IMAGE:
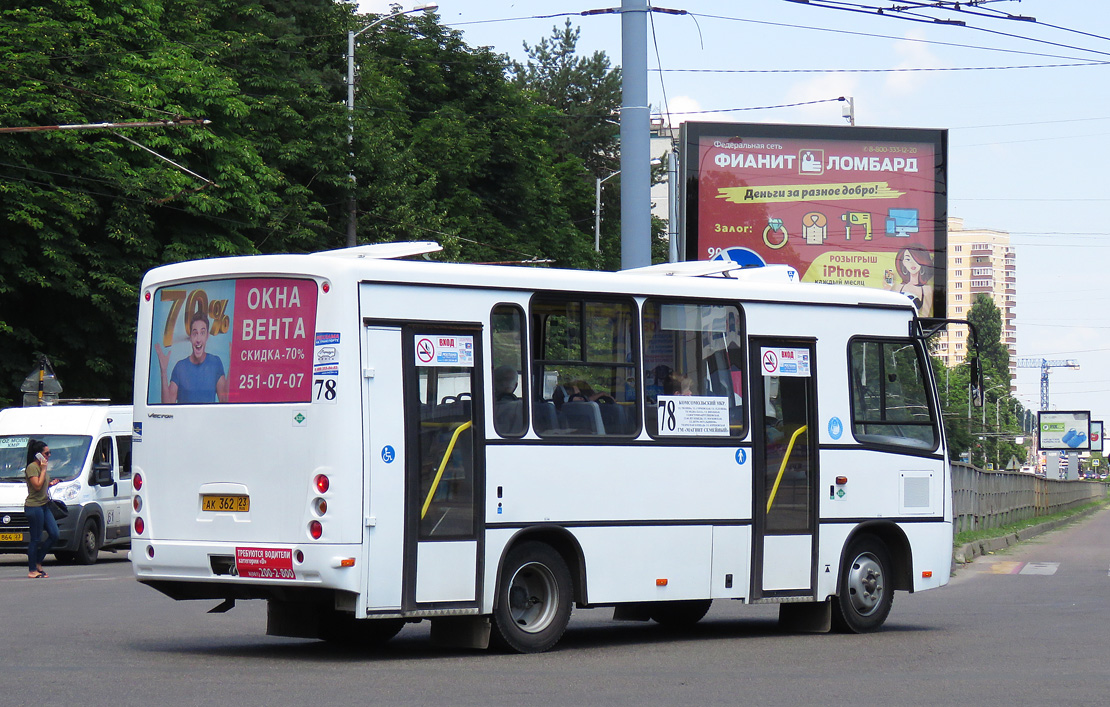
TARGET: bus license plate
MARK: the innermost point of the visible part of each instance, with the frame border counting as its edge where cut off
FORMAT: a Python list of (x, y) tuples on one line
[(11, 537), (236, 504)]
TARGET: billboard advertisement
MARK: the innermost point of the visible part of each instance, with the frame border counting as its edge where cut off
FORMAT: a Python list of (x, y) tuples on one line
[(249, 340), (840, 204), (1064, 431), (1096, 436)]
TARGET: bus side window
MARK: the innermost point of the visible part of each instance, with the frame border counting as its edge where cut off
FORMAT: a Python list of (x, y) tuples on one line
[(507, 361), (693, 349), (584, 367), (890, 398)]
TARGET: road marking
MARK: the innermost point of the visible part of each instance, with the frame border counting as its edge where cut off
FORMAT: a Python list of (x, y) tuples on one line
[(1040, 568), (1013, 567)]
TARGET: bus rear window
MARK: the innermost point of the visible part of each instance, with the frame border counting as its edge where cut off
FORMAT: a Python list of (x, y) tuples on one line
[(250, 340)]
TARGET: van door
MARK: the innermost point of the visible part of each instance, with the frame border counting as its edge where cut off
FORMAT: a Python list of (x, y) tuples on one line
[(444, 474), (784, 435), (113, 507), (122, 522)]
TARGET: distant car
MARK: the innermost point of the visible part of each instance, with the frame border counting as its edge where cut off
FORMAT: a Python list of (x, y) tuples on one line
[(1028, 469)]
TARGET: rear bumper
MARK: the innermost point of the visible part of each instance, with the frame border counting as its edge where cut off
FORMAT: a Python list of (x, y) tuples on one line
[(208, 570)]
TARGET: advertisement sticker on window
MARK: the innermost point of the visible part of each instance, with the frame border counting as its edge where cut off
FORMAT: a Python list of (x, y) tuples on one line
[(233, 341)]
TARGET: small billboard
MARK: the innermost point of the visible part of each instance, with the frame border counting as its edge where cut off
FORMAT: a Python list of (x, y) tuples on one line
[(1096, 436), (1065, 431)]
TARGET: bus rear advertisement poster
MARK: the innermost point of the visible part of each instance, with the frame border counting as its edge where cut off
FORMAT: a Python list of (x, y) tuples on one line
[(248, 340)]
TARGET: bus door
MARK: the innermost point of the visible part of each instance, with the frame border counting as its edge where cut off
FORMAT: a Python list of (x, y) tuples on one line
[(384, 492), (784, 436), (444, 469)]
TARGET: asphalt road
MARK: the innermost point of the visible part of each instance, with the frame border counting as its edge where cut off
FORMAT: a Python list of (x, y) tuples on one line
[(1026, 627)]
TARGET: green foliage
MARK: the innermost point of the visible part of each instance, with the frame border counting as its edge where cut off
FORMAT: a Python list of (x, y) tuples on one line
[(85, 213)]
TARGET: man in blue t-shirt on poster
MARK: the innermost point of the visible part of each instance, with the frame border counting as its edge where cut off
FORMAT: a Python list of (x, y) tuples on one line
[(199, 378)]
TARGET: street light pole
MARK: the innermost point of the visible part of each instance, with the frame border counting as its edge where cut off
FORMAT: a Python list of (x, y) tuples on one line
[(597, 209), (352, 206)]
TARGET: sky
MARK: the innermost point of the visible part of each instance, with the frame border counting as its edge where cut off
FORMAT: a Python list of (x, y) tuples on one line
[(1024, 103)]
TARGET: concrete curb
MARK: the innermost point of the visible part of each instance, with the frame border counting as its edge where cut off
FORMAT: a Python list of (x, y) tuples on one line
[(966, 553)]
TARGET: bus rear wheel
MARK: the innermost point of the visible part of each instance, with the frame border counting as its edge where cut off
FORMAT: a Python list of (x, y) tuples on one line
[(866, 591), (533, 599)]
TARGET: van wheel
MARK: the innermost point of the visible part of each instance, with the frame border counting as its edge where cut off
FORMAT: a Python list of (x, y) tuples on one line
[(533, 602), (88, 548), (866, 589)]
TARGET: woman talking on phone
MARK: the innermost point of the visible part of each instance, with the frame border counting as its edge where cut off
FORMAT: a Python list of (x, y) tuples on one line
[(38, 515)]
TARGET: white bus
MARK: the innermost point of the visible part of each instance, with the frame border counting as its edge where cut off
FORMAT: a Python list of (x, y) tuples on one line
[(365, 441)]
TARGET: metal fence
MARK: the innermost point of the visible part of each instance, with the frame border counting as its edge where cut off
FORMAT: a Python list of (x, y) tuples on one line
[(989, 499)]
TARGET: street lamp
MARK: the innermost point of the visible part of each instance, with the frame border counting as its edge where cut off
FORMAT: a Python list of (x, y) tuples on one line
[(352, 209), (597, 203), (985, 401)]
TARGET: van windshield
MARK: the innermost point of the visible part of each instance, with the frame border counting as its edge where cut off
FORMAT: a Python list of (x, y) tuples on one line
[(67, 456)]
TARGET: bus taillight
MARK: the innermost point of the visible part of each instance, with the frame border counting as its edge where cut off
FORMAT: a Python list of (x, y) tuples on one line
[(137, 481), (140, 526), (322, 483), (321, 507), (137, 503), (315, 529)]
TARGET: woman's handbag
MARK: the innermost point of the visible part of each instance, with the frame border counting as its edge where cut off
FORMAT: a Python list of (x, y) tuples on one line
[(58, 509)]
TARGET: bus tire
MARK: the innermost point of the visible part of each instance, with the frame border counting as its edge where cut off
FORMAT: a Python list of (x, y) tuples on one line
[(533, 602), (866, 587), (88, 543), (679, 614)]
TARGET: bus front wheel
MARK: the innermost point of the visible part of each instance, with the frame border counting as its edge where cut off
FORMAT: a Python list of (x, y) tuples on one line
[(866, 591), (533, 599)]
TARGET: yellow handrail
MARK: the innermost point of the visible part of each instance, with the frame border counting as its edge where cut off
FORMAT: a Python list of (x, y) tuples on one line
[(443, 465), (782, 467)]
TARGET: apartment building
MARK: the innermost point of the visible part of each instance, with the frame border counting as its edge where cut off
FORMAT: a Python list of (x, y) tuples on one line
[(980, 261)]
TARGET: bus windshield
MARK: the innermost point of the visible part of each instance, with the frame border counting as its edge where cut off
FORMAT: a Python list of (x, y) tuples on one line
[(67, 456)]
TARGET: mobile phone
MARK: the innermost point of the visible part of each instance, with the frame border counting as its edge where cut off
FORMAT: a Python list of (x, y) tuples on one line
[(41, 458)]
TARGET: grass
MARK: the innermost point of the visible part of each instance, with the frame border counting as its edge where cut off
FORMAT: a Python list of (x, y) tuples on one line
[(970, 536)]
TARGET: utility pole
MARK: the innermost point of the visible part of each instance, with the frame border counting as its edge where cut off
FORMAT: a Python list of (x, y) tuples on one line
[(635, 138)]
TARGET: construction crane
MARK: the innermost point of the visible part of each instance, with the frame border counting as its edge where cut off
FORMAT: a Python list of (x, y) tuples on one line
[(1046, 365)]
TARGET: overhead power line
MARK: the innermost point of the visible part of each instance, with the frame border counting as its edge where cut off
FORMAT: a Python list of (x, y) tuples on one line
[(109, 126)]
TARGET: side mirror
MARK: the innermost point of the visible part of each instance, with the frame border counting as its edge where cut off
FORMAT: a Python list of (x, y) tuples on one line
[(102, 474), (976, 383)]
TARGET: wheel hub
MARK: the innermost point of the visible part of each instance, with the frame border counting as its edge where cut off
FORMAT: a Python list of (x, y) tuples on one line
[(865, 584)]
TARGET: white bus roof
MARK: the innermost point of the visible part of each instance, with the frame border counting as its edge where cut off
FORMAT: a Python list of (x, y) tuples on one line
[(695, 279)]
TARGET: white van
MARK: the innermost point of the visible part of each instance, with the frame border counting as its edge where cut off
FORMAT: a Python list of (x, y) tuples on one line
[(91, 459)]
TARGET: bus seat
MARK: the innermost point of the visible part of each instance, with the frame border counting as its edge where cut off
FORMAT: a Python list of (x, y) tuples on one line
[(508, 417), (544, 417), (616, 418), (582, 417)]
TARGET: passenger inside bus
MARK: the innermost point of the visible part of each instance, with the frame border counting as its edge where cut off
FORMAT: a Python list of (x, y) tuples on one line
[(508, 409)]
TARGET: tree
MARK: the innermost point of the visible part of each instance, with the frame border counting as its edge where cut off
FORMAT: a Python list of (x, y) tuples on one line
[(585, 93), (84, 214), (987, 318)]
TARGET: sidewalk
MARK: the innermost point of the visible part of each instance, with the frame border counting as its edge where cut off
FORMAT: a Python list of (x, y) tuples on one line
[(966, 553)]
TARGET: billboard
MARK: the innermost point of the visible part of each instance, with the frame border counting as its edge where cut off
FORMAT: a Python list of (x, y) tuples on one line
[(840, 204), (233, 341), (1096, 436), (1064, 431)]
